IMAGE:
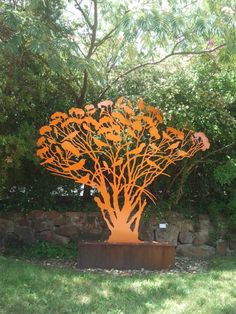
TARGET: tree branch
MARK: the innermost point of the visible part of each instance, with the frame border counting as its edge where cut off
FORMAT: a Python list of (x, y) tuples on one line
[(93, 26), (177, 43), (172, 53), (78, 6), (195, 163), (217, 151), (107, 36)]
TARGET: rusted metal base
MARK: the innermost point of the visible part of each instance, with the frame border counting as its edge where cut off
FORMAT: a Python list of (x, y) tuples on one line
[(147, 255)]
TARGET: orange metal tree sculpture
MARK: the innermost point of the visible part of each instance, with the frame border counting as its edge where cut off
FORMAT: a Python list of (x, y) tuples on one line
[(119, 150)]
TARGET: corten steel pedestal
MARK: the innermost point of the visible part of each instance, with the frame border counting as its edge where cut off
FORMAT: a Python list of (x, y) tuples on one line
[(147, 255)]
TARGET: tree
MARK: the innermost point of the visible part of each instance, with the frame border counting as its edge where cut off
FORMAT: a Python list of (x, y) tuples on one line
[(44, 55), (135, 36), (103, 42), (120, 153), (198, 94)]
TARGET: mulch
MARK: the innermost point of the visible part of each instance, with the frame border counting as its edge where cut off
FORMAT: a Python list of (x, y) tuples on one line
[(183, 265)]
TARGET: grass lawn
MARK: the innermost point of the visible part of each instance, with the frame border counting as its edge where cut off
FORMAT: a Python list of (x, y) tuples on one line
[(27, 288)]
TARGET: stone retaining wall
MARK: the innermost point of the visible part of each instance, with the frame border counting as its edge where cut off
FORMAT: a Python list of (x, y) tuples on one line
[(192, 238)]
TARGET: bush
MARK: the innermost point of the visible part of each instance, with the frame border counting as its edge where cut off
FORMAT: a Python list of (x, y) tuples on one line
[(45, 250)]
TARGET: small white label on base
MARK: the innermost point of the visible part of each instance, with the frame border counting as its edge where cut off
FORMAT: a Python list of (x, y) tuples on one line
[(162, 226)]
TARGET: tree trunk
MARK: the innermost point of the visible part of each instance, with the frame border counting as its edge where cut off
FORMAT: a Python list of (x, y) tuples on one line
[(123, 233), (123, 227)]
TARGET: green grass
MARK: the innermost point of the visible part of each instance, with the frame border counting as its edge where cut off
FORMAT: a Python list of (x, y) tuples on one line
[(27, 288)]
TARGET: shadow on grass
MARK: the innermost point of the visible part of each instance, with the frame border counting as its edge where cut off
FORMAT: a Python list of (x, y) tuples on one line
[(225, 309), (223, 263), (26, 288)]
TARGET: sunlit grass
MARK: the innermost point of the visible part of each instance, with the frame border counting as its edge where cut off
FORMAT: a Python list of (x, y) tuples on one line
[(26, 288)]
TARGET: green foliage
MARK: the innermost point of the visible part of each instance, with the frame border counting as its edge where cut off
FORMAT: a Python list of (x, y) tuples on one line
[(226, 173), (215, 209), (198, 95), (45, 250), (44, 55), (29, 91), (232, 212)]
